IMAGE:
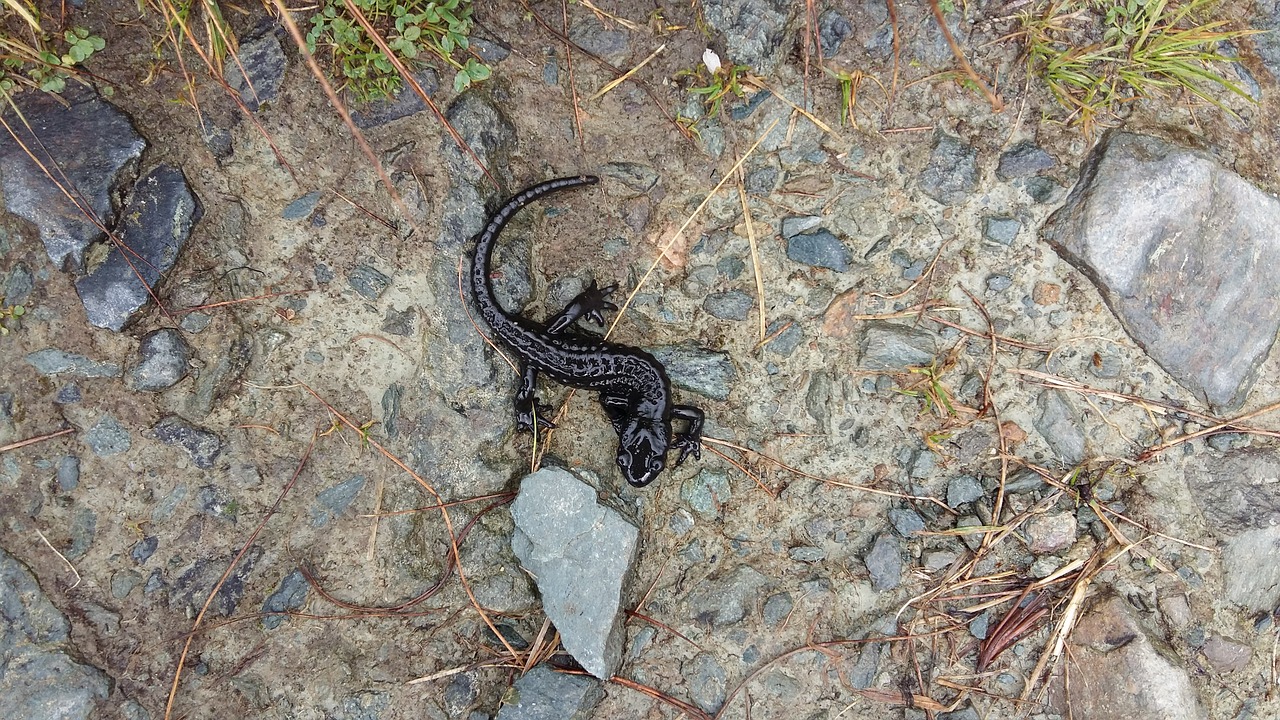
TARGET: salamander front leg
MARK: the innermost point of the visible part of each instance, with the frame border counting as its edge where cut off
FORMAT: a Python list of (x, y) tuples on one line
[(688, 442), (587, 304), (528, 411)]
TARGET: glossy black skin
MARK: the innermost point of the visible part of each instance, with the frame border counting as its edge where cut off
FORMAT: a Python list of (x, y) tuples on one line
[(633, 385)]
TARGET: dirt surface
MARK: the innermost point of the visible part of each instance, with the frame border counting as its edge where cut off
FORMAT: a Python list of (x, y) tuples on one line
[(285, 380)]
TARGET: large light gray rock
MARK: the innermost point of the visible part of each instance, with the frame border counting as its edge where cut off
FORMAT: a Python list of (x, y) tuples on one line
[(38, 678), (1183, 251), (1238, 491), (581, 554), (1126, 672), (1252, 573)]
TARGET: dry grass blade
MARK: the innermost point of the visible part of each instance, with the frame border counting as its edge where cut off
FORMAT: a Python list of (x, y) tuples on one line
[(896, 697), (755, 252), (996, 104), (1019, 621), (625, 76), (680, 705)]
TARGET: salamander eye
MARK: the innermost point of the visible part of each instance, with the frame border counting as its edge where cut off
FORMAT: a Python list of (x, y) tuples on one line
[(655, 465)]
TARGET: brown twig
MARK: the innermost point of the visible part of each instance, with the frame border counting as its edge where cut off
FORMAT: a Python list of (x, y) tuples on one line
[(996, 104), (36, 439)]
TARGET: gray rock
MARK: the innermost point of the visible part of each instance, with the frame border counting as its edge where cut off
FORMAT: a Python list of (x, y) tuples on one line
[(221, 378), (368, 281), (1042, 189), (123, 583), (755, 31), (706, 492), (820, 249), (302, 207), (706, 372), (289, 595), (333, 501), (544, 694), (263, 63), (460, 694), (612, 43), (144, 549), (796, 224), (68, 473), (777, 608), (639, 178), (1225, 655), (1022, 160), (1232, 493), (191, 589), (96, 149), (890, 346), (1267, 43), (107, 437), (41, 679), (762, 181), (785, 334), (1181, 250), (19, 285), (1051, 532), (405, 103), (707, 682), (833, 29), (730, 305), (581, 554), (807, 554), (952, 172), (156, 221), (84, 525), (884, 562), (399, 323), (1059, 424), (163, 358), (1003, 230), (964, 489), (1252, 573), (201, 444), (725, 598), (1128, 671), (51, 361), (906, 521), (998, 283)]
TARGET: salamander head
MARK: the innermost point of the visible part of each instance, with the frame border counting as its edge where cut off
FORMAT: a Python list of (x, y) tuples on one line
[(642, 449)]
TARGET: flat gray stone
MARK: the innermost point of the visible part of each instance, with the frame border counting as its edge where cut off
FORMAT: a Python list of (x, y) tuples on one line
[(1237, 492), (697, 369), (706, 492), (289, 595), (200, 443), (884, 562), (107, 437), (368, 281), (707, 682), (1128, 671), (906, 521), (163, 357), (890, 346), (544, 694), (1183, 251), (333, 501), (94, 145), (1252, 573), (581, 555), (1022, 160), (725, 598), (40, 679), (52, 361), (730, 305), (407, 102), (1051, 532), (755, 31), (258, 70), (156, 221), (1059, 424), (952, 172), (820, 248), (964, 489), (1003, 230)]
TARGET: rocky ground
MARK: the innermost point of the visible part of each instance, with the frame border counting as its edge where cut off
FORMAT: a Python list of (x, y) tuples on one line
[(987, 400)]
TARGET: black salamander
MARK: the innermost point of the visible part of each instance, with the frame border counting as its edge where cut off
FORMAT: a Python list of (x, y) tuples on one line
[(633, 385)]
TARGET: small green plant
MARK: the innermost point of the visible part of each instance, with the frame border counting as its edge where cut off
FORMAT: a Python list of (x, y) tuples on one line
[(850, 84), (1096, 56), (413, 29), (10, 317), (714, 81), (931, 391), (31, 57)]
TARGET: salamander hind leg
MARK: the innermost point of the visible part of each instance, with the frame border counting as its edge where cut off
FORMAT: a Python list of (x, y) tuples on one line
[(688, 442), (587, 304), (528, 411)]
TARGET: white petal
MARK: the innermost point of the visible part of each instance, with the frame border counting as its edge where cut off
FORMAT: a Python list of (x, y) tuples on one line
[(711, 60)]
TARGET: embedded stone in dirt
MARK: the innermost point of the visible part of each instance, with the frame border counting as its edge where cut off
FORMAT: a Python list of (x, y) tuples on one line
[(544, 694), (164, 357), (890, 346), (581, 554), (258, 70), (202, 445), (755, 31), (952, 172), (41, 679), (693, 368), (1182, 250), (156, 221), (1126, 673), (93, 146)]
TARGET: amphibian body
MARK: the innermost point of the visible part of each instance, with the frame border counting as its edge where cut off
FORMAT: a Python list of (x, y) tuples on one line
[(633, 385)]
